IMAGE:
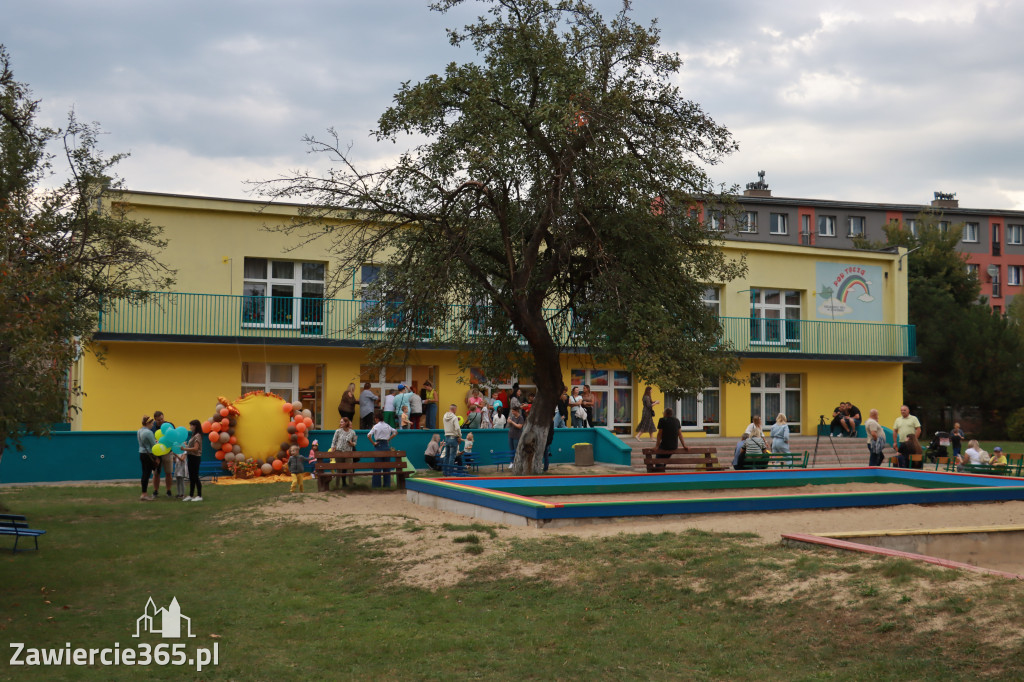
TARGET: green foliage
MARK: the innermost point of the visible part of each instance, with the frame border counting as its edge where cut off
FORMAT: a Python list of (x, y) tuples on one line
[(60, 257), (1015, 424), (553, 203), (969, 355)]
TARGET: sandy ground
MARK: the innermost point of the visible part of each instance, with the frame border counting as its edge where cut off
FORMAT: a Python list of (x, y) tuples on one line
[(415, 537)]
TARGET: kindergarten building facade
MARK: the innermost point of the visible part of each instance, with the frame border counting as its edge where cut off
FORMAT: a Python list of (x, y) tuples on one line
[(812, 326)]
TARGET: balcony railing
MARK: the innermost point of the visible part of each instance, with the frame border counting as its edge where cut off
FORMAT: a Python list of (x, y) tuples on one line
[(183, 316)]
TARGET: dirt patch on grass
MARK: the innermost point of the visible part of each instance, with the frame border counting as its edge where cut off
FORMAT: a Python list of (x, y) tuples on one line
[(425, 553)]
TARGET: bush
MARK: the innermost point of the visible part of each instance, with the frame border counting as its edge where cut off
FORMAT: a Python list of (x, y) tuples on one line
[(1015, 425)]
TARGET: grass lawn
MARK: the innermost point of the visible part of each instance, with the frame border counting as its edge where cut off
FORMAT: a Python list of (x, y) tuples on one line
[(290, 601), (1010, 447)]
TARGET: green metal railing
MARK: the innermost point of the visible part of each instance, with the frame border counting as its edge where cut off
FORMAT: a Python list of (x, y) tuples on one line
[(337, 320)]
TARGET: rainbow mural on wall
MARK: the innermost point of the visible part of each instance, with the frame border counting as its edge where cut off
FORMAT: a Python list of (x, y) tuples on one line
[(847, 292)]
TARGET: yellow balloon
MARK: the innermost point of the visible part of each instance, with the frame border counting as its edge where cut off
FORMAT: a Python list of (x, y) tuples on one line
[(160, 450)]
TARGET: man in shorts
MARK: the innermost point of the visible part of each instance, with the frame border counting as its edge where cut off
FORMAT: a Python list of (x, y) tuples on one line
[(163, 463)]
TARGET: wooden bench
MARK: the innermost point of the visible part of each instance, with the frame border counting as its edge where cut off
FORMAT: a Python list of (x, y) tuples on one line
[(688, 458), (17, 525), (344, 464)]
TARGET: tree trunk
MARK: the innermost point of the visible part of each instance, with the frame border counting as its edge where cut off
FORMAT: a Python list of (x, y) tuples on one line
[(533, 442)]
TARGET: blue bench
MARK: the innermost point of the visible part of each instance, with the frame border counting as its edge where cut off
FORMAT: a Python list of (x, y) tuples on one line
[(214, 469), (17, 525), (502, 459)]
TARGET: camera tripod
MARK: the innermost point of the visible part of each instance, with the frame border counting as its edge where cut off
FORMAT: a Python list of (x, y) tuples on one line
[(814, 458)]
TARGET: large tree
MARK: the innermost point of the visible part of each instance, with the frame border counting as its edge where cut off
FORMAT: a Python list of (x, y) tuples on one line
[(969, 354), (556, 205), (61, 257)]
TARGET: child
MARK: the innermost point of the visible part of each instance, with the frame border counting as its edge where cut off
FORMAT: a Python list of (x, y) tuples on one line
[(498, 422), (180, 472), (314, 450), (466, 457), (295, 468), (405, 422), (485, 418)]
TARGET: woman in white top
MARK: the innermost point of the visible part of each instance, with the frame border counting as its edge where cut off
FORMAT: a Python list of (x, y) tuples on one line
[(974, 454), (576, 401), (754, 427)]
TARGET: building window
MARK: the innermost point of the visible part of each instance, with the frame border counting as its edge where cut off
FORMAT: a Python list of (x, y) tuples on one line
[(291, 382), (997, 249), (1015, 234), (775, 317), (856, 226), (772, 393), (805, 230), (972, 269), (912, 226), (285, 294), (944, 226), (712, 299), (714, 221), (700, 411), (748, 221), (826, 226), (1013, 275), (779, 223), (970, 232), (613, 397)]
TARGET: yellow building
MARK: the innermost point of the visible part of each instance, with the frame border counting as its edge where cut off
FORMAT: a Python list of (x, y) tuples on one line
[(813, 326)]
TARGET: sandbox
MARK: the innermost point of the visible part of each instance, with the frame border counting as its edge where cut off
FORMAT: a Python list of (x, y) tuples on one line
[(535, 500)]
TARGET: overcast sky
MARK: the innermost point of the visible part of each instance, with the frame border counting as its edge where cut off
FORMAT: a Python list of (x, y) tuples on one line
[(857, 100)]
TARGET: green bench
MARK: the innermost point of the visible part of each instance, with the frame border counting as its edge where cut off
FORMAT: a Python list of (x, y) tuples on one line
[(17, 525), (782, 461)]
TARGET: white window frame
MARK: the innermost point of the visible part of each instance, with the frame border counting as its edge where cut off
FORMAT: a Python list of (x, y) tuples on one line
[(609, 392), (1015, 234), (770, 322), (850, 220), (712, 299), (972, 269), (1013, 275), (779, 220), (714, 220), (911, 224), (944, 226), (970, 233), (826, 226), (266, 305), (277, 387), (708, 426), (748, 222), (758, 381)]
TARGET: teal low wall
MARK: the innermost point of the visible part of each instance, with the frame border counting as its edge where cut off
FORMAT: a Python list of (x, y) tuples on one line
[(114, 455)]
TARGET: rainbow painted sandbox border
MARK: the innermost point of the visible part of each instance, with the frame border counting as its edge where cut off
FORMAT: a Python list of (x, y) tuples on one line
[(510, 498)]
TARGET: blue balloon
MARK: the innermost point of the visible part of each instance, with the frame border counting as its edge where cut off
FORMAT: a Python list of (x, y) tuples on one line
[(165, 427), (181, 433)]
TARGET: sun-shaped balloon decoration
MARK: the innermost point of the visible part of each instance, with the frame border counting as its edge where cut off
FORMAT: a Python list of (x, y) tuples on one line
[(254, 433)]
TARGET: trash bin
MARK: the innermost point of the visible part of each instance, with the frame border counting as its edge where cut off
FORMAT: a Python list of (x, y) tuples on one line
[(584, 453)]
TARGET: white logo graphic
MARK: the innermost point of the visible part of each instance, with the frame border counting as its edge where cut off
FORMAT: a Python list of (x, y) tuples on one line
[(163, 622)]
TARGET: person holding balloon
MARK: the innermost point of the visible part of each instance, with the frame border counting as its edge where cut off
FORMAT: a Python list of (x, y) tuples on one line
[(146, 458), (168, 440), (163, 455), (194, 449)]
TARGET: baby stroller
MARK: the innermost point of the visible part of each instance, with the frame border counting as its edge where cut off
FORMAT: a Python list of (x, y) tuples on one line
[(938, 447)]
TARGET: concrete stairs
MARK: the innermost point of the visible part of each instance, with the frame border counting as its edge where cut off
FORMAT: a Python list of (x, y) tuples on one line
[(848, 451)]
